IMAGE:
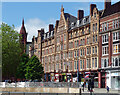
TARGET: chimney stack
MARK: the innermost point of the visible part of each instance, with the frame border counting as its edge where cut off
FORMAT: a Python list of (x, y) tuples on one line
[(42, 30), (51, 27), (39, 31), (92, 6), (57, 22), (107, 4), (80, 14)]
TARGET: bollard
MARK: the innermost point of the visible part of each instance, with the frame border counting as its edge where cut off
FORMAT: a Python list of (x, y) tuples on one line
[(80, 91), (68, 90), (8, 93), (90, 92)]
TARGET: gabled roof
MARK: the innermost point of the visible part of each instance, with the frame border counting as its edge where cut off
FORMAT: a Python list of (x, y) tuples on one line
[(70, 17), (112, 9)]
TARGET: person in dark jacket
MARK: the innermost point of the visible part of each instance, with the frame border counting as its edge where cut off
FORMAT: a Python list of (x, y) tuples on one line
[(92, 84), (107, 89), (89, 85), (83, 86)]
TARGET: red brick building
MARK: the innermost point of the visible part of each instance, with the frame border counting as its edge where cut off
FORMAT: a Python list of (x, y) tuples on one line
[(24, 44), (82, 47), (109, 46)]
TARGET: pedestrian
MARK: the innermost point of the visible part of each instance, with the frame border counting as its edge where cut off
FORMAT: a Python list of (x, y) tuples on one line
[(89, 85), (92, 84), (107, 89), (83, 86)]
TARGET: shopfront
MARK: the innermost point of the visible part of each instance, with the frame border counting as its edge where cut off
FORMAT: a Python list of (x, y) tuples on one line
[(56, 77), (52, 77), (113, 79), (74, 75)]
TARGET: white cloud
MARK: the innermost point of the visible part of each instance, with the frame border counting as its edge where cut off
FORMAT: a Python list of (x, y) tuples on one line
[(33, 25)]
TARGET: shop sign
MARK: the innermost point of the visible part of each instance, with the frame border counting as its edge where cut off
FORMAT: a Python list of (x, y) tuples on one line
[(56, 74), (68, 73), (87, 72), (52, 74), (63, 73), (114, 74)]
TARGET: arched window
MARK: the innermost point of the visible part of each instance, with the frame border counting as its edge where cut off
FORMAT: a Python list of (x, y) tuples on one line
[(105, 63), (116, 62)]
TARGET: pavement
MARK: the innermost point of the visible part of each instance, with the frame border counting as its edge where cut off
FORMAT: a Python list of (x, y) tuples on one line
[(101, 91), (96, 91)]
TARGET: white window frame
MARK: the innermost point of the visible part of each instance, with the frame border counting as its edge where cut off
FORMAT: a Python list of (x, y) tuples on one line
[(103, 52), (115, 49), (116, 35), (113, 61), (102, 62), (103, 38)]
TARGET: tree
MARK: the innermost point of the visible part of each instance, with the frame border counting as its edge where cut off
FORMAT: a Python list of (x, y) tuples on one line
[(34, 69), (10, 50), (22, 66)]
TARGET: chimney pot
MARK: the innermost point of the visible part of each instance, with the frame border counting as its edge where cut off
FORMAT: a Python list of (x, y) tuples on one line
[(80, 14), (107, 4), (57, 22), (92, 6), (51, 27), (39, 31)]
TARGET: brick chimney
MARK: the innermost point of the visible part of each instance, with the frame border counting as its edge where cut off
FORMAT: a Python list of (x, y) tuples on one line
[(80, 14), (39, 33), (57, 22), (42, 30), (51, 27), (107, 4), (92, 6)]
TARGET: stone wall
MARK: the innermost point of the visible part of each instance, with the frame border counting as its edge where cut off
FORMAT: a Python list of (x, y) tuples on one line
[(41, 90)]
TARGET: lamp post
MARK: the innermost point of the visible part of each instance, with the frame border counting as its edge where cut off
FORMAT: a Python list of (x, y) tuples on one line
[(77, 70)]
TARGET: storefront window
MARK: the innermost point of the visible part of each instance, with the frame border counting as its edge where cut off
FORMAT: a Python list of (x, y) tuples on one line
[(80, 64), (119, 61), (105, 63), (93, 62), (116, 62)]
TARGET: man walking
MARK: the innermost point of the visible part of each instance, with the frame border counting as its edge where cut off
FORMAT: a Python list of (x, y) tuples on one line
[(89, 85), (107, 89), (83, 86)]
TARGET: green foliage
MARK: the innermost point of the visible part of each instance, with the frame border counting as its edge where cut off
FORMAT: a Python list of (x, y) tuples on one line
[(22, 66), (34, 69), (10, 50)]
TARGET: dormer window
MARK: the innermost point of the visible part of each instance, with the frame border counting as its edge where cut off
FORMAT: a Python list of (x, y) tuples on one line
[(89, 18), (51, 33), (72, 24), (48, 35), (84, 20), (78, 22), (44, 35)]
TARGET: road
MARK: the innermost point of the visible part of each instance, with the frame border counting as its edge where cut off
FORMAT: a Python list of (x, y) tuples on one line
[(33, 93)]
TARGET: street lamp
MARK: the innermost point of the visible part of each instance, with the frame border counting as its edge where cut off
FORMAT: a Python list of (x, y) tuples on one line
[(77, 70)]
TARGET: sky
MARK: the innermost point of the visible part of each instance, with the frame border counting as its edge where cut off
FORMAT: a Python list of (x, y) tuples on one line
[(39, 15)]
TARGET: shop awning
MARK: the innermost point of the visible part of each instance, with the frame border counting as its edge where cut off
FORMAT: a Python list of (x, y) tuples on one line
[(87, 76)]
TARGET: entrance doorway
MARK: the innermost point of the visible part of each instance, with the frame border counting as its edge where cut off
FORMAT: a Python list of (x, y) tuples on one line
[(103, 83)]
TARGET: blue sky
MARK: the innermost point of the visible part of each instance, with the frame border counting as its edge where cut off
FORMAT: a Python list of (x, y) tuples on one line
[(39, 14)]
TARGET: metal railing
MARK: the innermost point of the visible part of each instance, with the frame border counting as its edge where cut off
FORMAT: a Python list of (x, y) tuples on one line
[(42, 84)]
